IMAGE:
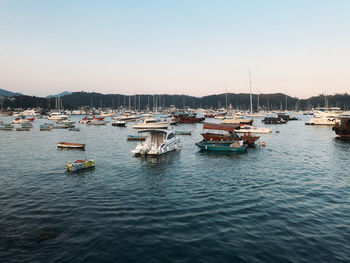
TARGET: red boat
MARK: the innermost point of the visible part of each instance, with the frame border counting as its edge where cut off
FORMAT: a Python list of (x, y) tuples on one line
[(342, 128), (187, 118), (231, 136)]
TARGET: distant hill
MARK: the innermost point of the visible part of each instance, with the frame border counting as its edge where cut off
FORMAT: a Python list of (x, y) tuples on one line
[(241, 101), (6, 93), (59, 95)]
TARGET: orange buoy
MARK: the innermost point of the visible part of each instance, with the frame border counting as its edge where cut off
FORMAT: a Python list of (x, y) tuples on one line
[(263, 144)]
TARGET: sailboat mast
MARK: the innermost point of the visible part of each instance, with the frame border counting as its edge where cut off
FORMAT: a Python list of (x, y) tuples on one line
[(226, 94), (251, 99)]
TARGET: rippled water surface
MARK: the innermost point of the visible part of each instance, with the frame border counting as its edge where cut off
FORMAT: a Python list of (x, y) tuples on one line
[(286, 202)]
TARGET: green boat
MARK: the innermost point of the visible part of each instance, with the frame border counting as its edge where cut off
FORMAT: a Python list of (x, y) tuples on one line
[(212, 147)]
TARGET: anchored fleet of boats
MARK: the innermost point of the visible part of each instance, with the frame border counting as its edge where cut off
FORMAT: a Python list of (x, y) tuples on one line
[(226, 134)]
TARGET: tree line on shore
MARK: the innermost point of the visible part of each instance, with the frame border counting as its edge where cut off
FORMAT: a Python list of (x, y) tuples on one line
[(241, 101)]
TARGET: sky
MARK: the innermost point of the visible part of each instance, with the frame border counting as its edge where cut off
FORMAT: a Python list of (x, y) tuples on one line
[(197, 48)]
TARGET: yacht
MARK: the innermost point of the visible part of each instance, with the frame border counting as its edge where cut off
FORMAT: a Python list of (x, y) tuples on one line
[(157, 143), (55, 116), (329, 121), (325, 116), (150, 123)]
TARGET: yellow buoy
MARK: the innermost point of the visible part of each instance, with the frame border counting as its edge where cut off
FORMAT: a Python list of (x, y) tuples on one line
[(263, 144)]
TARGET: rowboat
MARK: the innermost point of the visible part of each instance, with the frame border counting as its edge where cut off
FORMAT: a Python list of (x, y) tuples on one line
[(80, 164), (59, 126), (236, 147), (136, 137), (74, 129), (8, 128), (22, 129), (71, 145), (183, 132)]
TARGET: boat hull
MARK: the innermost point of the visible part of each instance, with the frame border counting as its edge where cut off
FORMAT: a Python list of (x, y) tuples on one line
[(71, 145), (220, 148), (80, 164)]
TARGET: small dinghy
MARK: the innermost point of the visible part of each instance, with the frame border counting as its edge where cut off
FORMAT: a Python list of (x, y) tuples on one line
[(22, 129), (71, 145), (74, 129), (80, 164), (136, 137), (119, 123), (183, 132)]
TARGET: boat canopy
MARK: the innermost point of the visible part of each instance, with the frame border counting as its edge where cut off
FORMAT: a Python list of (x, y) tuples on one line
[(215, 126)]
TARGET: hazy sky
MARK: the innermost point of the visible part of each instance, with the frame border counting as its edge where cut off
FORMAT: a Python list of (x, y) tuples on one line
[(175, 47)]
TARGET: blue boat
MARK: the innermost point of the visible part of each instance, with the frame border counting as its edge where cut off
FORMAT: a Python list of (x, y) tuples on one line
[(236, 147)]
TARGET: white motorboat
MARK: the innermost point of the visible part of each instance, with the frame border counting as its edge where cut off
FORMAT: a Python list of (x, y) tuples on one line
[(55, 116), (127, 118), (150, 123), (157, 143), (21, 120), (96, 122), (329, 121), (253, 129)]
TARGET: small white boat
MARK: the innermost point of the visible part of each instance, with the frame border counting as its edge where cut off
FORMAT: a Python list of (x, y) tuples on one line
[(96, 122), (20, 121), (151, 123), (55, 116), (157, 143), (127, 118), (253, 129), (328, 121)]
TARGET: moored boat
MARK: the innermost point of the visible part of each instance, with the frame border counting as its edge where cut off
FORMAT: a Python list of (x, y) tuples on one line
[(151, 123), (119, 123), (80, 164), (342, 128), (71, 145), (22, 129), (6, 128), (253, 129), (157, 143), (183, 132), (136, 137), (228, 133), (187, 118), (237, 147)]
